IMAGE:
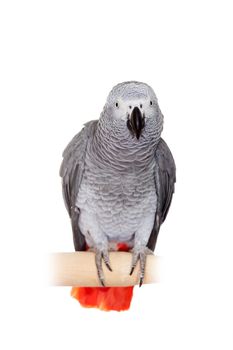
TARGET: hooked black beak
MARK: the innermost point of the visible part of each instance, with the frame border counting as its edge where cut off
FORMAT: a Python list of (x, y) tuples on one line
[(136, 122)]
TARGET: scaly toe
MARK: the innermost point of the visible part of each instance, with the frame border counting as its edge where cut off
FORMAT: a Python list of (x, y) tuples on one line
[(141, 255), (98, 262), (99, 256), (106, 260), (135, 258)]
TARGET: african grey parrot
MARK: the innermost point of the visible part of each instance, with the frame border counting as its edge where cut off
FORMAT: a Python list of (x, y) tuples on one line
[(118, 177)]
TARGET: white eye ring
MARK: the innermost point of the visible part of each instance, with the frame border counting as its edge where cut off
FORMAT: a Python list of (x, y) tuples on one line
[(117, 105)]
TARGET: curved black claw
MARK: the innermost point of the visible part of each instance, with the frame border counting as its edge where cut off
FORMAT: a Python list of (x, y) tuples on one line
[(140, 254), (106, 260), (99, 255)]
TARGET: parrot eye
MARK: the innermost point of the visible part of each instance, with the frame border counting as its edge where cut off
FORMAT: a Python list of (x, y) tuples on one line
[(117, 104), (151, 103)]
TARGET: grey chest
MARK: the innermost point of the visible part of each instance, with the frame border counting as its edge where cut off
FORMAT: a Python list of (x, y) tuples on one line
[(119, 201)]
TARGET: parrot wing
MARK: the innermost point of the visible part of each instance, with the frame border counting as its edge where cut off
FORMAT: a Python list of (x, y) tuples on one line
[(165, 178), (71, 171)]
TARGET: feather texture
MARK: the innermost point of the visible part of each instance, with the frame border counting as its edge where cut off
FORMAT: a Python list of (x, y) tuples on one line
[(71, 171), (165, 178)]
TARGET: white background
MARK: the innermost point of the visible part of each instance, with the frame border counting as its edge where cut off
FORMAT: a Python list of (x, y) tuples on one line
[(59, 59)]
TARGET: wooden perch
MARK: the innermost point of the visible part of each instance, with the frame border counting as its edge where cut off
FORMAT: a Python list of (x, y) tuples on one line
[(78, 269)]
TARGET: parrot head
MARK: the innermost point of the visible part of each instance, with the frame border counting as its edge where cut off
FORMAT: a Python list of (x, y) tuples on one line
[(133, 106)]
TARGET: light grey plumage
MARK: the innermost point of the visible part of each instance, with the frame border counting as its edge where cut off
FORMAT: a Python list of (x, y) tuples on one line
[(118, 176)]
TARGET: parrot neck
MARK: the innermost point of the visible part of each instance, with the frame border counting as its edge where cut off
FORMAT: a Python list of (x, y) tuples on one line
[(114, 148)]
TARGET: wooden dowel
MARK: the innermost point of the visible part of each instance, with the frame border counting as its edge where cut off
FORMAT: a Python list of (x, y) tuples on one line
[(78, 269)]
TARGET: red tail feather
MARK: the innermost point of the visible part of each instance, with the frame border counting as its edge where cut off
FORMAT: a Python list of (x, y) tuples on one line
[(105, 298)]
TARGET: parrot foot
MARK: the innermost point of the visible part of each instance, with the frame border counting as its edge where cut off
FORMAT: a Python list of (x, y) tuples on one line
[(99, 256), (140, 254)]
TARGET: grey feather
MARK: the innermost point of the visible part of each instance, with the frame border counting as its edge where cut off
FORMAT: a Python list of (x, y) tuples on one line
[(71, 171), (165, 178)]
